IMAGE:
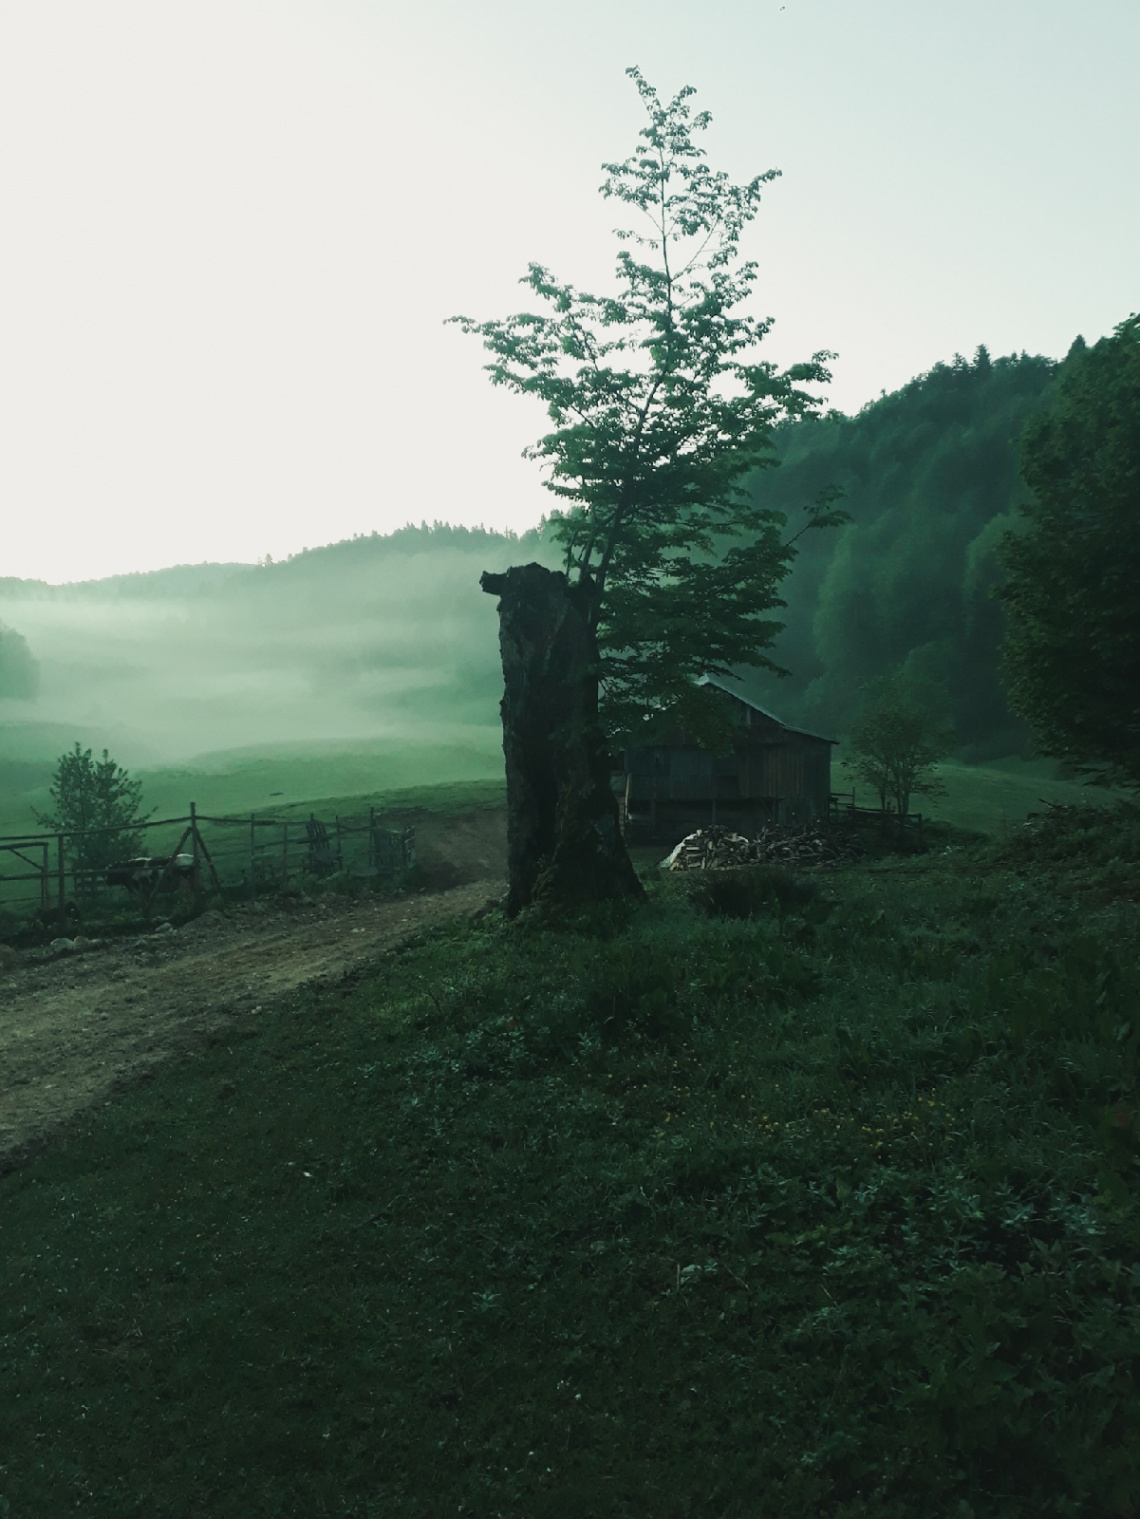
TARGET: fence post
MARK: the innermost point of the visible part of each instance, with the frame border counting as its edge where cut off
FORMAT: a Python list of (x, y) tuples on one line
[(194, 850), (62, 881), (45, 880)]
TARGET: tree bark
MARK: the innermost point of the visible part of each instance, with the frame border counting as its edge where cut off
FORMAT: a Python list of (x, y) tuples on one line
[(564, 846)]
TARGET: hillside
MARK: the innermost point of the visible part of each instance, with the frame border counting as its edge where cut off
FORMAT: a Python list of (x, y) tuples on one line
[(930, 478), (375, 639), (388, 640)]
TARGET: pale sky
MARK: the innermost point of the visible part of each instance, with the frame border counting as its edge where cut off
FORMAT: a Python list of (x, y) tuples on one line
[(231, 232)]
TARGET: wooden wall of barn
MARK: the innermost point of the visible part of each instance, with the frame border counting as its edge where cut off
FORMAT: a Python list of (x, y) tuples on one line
[(773, 776)]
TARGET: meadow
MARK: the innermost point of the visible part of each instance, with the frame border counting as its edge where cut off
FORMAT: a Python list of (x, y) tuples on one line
[(800, 1196), (296, 778)]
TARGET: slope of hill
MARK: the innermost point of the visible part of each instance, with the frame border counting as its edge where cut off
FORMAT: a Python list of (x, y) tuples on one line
[(385, 639), (930, 475), (379, 639)]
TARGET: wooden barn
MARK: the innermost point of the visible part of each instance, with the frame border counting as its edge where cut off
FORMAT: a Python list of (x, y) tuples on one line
[(775, 774)]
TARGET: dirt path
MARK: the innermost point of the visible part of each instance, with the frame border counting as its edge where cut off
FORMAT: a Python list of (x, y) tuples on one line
[(77, 1028)]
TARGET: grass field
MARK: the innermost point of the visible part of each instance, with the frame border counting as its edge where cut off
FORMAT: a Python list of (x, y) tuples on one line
[(296, 779), (283, 780), (828, 1207), (992, 798)]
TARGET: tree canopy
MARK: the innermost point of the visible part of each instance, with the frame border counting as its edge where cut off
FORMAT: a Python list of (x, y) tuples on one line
[(19, 672), (660, 405), (97, 804), (897, 739), (1072, 651), (930, 478)]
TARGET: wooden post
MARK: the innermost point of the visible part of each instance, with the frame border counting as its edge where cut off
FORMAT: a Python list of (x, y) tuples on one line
[(45, 880), (62, 881), (195, 881)]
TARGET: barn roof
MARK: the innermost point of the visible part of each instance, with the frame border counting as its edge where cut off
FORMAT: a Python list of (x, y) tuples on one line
[(712, 680)]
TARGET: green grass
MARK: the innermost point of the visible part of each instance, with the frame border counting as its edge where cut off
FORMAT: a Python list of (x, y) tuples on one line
[(829, 1209), (279, 779), (992, 798)]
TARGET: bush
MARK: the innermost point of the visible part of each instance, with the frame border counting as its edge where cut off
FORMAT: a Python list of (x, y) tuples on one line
[(751, 892)]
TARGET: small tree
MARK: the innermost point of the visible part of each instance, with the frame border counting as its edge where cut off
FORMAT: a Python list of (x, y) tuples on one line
[(895, 741), (97, 806), (1072, 648), (660, 406), (19, 672)]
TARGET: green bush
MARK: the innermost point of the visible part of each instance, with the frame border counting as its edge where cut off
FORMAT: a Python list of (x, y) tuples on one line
[(751, 892)]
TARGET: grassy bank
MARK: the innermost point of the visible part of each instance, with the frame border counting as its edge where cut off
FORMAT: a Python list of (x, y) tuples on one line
[(829, 1208)]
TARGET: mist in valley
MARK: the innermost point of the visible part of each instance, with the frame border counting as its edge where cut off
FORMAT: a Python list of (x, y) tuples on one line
[(374, 661)]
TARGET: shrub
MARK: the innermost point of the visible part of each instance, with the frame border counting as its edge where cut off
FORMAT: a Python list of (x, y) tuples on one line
[(751, 892)]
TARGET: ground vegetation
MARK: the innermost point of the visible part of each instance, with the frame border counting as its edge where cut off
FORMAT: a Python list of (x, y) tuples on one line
[(829, 1206)]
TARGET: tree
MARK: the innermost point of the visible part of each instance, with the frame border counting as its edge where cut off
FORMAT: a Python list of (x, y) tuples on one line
[(659, 407), (895, 741), (97, 805), (19, 672), (1072, 649)]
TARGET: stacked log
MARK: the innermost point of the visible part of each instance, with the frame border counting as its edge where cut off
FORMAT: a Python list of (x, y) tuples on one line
[(717, 848)]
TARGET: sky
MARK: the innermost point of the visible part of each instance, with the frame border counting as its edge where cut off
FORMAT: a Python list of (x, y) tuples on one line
[(233, 231)]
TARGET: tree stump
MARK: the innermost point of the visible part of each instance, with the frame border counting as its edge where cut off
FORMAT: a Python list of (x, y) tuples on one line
[(564, 846)]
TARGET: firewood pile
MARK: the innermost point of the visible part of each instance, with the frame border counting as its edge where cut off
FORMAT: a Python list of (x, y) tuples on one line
[(717, 848)]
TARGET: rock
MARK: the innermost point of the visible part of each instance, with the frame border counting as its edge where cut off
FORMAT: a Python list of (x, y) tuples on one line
[(62, 946), (208, 923)]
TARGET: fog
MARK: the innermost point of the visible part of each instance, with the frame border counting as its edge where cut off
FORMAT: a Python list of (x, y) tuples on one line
[(371, 640)]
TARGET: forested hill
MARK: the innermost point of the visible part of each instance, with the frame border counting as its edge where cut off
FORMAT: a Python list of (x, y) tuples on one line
[(394, 629), (376, 634), (931, 479), (193, 580)]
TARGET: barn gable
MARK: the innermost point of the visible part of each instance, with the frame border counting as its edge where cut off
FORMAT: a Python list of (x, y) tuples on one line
[(775, 774)]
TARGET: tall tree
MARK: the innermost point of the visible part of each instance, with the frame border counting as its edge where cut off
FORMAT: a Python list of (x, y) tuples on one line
[(1072, 651), (660, 406)]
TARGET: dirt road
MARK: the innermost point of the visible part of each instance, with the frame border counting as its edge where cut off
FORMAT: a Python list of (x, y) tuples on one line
[(77, 1028)]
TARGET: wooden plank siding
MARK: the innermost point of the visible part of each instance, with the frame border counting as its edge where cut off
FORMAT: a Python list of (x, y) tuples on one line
[(775, 774)]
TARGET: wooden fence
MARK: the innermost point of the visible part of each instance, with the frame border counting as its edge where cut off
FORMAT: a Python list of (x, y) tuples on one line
[(842, 804), (194, 854)]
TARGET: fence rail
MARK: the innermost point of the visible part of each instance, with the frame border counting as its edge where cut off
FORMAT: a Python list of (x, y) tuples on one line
[(839, 807), (43, 876)]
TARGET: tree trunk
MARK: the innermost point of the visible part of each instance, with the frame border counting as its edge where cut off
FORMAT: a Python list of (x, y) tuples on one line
[(564, 845)]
